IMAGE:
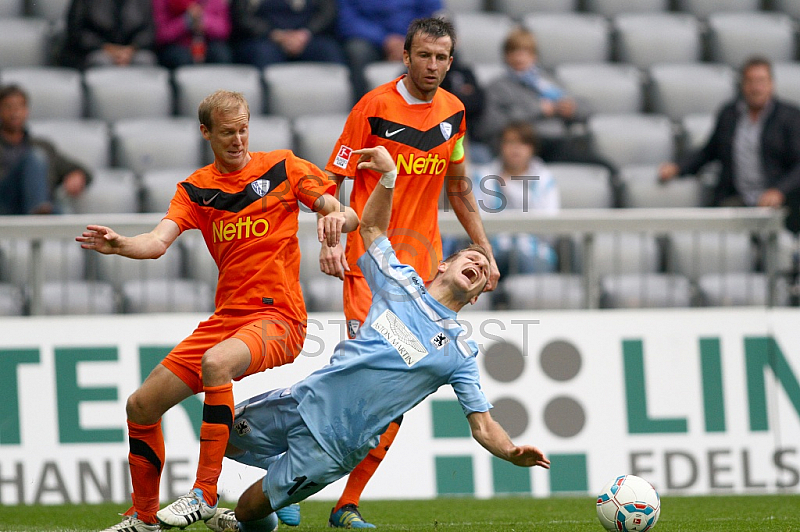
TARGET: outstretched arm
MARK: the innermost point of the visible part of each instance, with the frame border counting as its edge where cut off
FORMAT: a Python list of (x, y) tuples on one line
[(378, 209), (494, 439), (144, 246)]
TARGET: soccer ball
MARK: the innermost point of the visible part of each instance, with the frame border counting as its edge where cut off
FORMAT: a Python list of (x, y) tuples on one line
[(628, 504)]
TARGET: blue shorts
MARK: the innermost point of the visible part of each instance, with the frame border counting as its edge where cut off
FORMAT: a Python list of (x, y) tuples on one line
[(269, 426)]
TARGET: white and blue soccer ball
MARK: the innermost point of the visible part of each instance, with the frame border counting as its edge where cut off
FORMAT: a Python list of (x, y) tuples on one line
[(628, 504)]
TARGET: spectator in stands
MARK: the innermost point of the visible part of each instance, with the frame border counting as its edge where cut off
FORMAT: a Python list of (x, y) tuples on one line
[(375, 30), (526, 93), (517, 181), (31, 169), (273, 31), (756, 139), (192, 31), (109, 32)]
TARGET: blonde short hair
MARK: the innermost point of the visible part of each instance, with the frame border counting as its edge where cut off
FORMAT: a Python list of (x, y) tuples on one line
[(222, 101), (520, 39)]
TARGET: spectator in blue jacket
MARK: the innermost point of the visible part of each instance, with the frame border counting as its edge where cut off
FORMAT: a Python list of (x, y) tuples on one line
[(266, 32), (375, 30)]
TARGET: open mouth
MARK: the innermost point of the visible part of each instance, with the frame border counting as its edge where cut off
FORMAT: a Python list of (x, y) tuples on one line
[(471, 274)]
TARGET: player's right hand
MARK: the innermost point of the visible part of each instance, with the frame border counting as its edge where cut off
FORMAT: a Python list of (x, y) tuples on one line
[(332, 261), (99, 238)]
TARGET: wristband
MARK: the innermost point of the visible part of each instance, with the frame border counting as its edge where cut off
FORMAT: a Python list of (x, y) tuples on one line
[(388, 179)]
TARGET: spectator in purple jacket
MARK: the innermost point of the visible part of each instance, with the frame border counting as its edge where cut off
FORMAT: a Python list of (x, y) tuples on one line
[(375, 30), (192, 31)]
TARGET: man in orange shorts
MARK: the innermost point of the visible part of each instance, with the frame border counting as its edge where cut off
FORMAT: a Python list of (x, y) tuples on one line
[(423, 129), (246, 205)]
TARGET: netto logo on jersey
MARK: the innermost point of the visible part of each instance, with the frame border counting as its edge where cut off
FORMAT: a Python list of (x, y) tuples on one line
[(430, 165), (241, 228)]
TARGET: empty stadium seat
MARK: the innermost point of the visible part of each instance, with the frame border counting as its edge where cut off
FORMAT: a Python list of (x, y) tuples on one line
[(740, 288), (323, 293), (677, 90), (626, 139), (696, 129), (604, 87), (704, 8), (610, 8), (624, 253), (23, 42), (119, 270), (381, 72), (200, 266), (159, 186), (570, 37), (78, 297), (551, 291), (519, 8), (644, 39), (113, 190), (162, 295), (486, 73), (734, 37), (700, 253), (481, 36), (787, 81), (642, 189), (149, 143), (461, 6), (64, 260), (299, 89), (269, 133), (583, 186), (115, 93), (87, 141), (652, 290), (317, 136), (12, 301), (53, 92), (195, 82)]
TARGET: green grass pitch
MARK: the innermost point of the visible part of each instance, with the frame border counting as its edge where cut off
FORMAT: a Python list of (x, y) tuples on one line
[(679, 514)]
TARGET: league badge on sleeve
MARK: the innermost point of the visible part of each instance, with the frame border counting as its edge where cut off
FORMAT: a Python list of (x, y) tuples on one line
[(343, 157)]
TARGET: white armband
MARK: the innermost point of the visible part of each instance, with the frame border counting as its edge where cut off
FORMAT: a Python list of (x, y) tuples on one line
[(388, 179)]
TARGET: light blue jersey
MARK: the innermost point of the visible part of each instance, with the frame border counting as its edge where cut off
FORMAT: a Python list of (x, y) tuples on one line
[(407, 348)]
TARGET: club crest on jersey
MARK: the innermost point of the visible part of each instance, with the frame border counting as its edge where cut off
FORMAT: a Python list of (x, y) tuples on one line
[(446, 129), (260, 186), (352, 328), (242, 427), (440, 340), (343, 156)]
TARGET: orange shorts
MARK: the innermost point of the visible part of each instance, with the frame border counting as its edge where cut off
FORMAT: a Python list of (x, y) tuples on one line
[(272, 342), (357, 300)]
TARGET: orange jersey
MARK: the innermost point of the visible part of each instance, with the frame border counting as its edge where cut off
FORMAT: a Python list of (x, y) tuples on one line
[(249, 222), (420, 138)]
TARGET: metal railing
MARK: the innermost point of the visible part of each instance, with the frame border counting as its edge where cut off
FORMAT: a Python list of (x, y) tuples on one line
[(766, 223)]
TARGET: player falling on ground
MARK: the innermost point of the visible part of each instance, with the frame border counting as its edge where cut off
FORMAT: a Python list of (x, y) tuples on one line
[(411, 344), (423, 128), (246, 205)]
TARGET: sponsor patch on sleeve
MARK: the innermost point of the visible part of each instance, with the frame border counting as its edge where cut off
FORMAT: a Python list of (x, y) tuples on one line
[(343, 157)]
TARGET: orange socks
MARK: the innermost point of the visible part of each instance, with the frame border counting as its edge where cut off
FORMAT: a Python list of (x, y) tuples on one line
[(359, 476), (146, 459), (214, 433)]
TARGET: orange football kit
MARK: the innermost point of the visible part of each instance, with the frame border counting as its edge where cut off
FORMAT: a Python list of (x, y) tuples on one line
[(422, 139), (249, 222)]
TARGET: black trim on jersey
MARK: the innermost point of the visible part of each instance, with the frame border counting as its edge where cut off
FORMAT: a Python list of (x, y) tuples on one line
[(235, 201), (405, 134)]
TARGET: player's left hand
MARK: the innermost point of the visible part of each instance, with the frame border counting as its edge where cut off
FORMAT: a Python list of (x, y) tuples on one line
[(329, 227), (528, 456)]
